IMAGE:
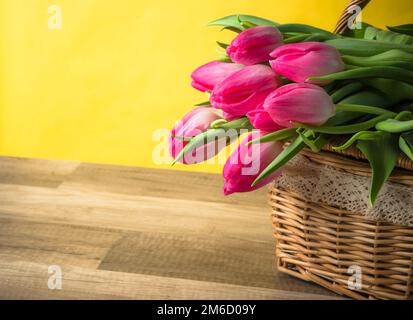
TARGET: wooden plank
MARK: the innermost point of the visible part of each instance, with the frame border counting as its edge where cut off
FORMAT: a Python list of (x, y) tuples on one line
[(169, 227), (133, 212), (165, 183), (51, 243), (35, 172), (26, 280), (211, 258)]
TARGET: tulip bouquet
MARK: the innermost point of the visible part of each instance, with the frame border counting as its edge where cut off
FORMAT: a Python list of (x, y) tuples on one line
[(293, 86)]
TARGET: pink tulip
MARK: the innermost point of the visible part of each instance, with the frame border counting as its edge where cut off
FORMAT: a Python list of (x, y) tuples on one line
[(244, 90), (193, 123), (299, 61), (299, 102), (247, 162), (254, 45), (261, 120), (207, 76)]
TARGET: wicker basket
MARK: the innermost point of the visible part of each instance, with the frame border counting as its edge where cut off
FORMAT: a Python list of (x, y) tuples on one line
[(318, 243)]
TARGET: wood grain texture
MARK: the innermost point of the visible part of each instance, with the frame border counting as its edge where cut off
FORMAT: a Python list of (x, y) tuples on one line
[(133, 233), (52, 243), (150, 182), (35, 172), (27, 280)]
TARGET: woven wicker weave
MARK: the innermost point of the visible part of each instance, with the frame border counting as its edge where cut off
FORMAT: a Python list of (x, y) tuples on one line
[(319, 243)]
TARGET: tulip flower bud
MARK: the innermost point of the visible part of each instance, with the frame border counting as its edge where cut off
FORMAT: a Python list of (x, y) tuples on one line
[(207, 76), (299, 102), (247, 162), (244, 90), (192, 124), (254, 45), (300, 61), (261, 120)]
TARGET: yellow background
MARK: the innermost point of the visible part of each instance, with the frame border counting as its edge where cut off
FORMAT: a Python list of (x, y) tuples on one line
[(119, 69)]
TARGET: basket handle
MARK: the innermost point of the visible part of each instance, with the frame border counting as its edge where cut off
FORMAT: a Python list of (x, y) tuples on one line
[(342, 24)]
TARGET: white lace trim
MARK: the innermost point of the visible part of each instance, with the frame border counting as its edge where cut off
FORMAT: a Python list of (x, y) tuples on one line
[(323, 183)]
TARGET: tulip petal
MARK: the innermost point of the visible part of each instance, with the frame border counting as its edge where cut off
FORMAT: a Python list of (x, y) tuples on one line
[(208, 75), (261, 120), (244, 90), (300, 61), (299, 102), (246, 163), (254, 45)]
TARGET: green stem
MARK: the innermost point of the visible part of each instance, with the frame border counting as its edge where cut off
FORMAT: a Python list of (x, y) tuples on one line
[(345, 91), (247, 24), (395, 58), (275, 136), (363, 109), (366, 48), (241, 123), (395, 126), (404, 146), (403, 114), (370, 72), (346, 129), (295, 39), (218, 123), (306, 38), (286, 155), (362, 135)]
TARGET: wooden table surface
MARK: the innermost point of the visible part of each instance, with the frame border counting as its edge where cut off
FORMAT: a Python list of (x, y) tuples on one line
[(120, 232)]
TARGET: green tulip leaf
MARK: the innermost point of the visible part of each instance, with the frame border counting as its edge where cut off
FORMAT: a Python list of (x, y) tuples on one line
[(364, 97), (372, 33), (303, 28), (362, 135), (204, 138), (233, 29), (392, 58), (313, 140), (317, 37), (366, 48), (403, 29), (297, 38), (247, 24), (406, 144), (307, 38), (395, 89), (197, 141), (275, 136), (368, 97), (370, 72), (222, 45), (241, 123), (201, 104), (286, 155), (233, 22), (382, 155), (394, 54)]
